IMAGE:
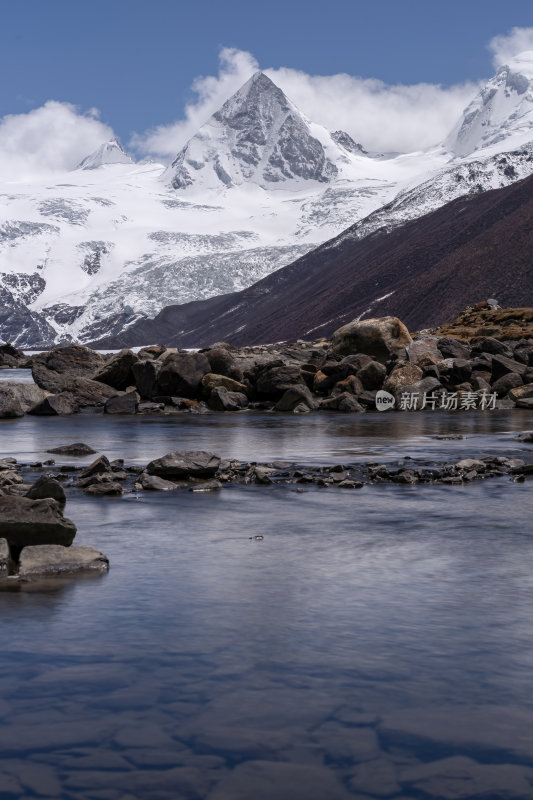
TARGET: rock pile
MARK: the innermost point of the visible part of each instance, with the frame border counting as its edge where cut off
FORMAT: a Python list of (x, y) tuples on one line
[(35, 538), (342, 374)]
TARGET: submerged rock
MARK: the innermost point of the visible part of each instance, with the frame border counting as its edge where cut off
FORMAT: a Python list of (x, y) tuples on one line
[(76, 449), (53, 559)]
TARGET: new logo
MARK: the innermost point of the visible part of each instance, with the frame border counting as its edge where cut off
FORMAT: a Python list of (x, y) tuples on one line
[(384, 401)]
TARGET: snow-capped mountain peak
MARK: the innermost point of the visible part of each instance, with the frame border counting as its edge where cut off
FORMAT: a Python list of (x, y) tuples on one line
[(503, 110), (110, 152), (258, 136)]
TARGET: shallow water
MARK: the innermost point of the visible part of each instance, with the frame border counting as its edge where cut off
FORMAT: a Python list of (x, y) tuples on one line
[(16, 375), (369, 635)]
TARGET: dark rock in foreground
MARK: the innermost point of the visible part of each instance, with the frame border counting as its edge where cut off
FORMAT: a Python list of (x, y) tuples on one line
[(34, 522)]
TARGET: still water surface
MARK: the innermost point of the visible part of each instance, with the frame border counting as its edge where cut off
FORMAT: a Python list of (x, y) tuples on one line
[(375, 643)]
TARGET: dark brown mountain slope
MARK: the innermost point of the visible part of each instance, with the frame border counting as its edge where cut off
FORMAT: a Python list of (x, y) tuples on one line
[(425, 272)]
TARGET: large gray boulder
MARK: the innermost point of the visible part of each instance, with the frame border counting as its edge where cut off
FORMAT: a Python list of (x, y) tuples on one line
[(10, 407), (27, 394), (145, 374), (379, 337), (46, 486), (222, 400), (117, 371), (274, 381), (55, 369), (122, 404), (181, 374), (31, 522), (294, 398), (190, 464), (55, 405), (53, 559), (221, 362)]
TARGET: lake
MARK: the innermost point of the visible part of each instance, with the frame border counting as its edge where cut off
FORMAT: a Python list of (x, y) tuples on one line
[(375, 643)]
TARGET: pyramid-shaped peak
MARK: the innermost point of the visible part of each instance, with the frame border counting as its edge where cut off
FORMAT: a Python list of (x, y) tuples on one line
[(501, 114), (258, 136), (110, 152)]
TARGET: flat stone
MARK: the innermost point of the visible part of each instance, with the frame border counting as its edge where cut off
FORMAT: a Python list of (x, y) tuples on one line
[(76, 449), (109, 488), (208, 486), (53, 559), (183, 464), (154, 483)]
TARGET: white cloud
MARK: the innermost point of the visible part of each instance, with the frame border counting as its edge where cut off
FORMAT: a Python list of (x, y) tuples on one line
[(53, 137), (379, 116), (504, 47)]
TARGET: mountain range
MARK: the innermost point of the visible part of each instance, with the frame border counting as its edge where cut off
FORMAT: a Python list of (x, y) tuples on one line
[(110, 244)]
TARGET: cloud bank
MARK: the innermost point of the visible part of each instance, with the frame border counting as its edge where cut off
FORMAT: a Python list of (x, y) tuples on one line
[(54, 137), (504, 47), (379, 116)]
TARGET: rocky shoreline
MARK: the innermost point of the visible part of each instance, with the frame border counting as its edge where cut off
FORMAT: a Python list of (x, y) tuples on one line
[(426, 371), (36, 539)]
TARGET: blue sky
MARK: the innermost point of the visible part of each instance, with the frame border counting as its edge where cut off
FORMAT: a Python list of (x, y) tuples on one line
[(136, 61)]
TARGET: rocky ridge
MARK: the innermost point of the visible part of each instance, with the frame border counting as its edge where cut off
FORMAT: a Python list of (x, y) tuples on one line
[(344, 373)]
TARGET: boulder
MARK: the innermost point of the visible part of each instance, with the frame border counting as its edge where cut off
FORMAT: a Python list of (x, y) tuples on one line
[(211, 380), (372, 375), (295, 397), (87, 392), (117, 372), (380, 337), (502, 365), (102, 488), (47, 486), (145, 374), (181, 374), (351, 384), (122, 404), (5, 558), (221, 362), (403, 374), (345, 402), (521, 392), (27, 394), (185, 464), (487, 344), (27, 522), (53, 559), (274, 381), (76, 449), (10, 356), (99, 466), (10, 407), (152, 351), (451, 348), (222, 400), (507, 382), (154, 483), (54, 369), (55, 405), (423, 347), (459, 371)]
